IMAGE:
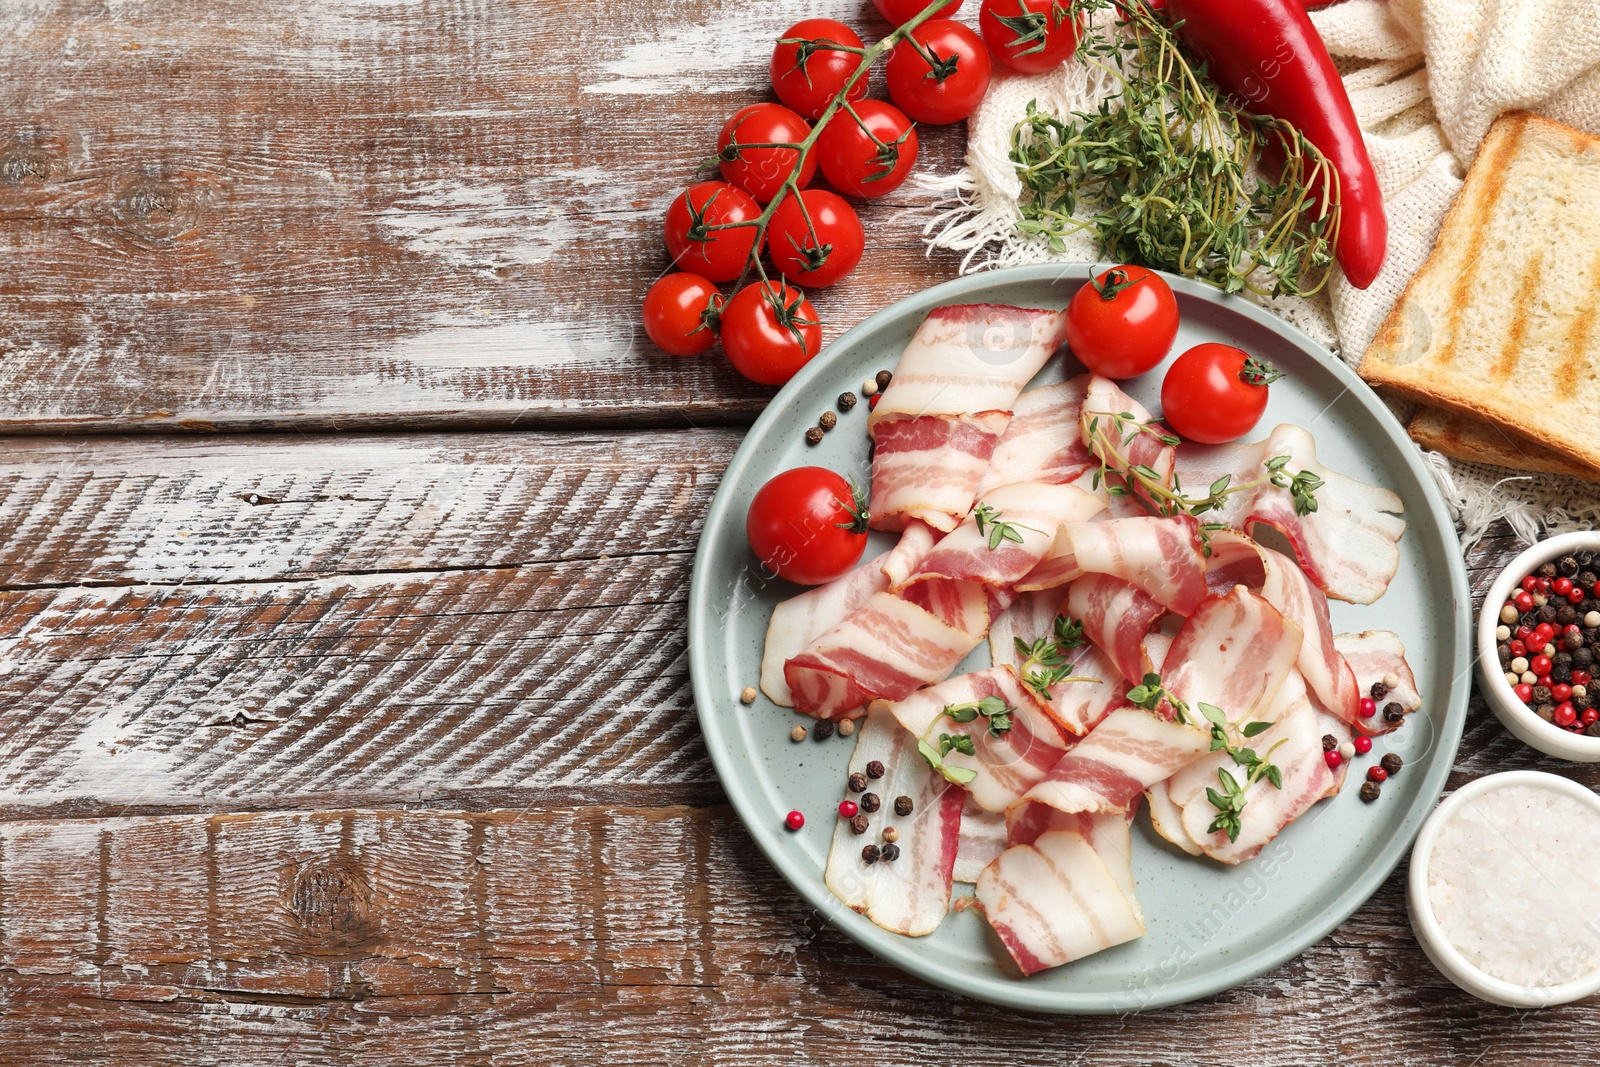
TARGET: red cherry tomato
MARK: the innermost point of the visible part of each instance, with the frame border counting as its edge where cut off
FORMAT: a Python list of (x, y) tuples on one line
[(1123, 323), (680, 313), (808, 525), (769, 331), (716, 254), (806, 77), (1036, 35), (948, 90), (1215, 393), (761, 172), (899, 11), (821, 253), (857, 165)]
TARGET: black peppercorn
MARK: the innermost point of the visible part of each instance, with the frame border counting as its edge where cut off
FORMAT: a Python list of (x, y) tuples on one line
[(814, 435), (1584, 657), (1379, 690), (1588, 579), (823, 730), (902, 806), (858, 824), (847, 400), (883, 379), (1585, 702), (1572, 642), (1546, 612), (1593, 729), (1370, 791), (1504, 652), (1566, 615), (891, 852), (1566, 566), (1585, 558), (1329, 742), (827, 420), (1392, 763), (870, 802), (1528, 619), (869, 855), (1561, 675), (1561, 659), (1546, 711), (1547, 570), (858, 782), (875, 769), (1393, 712), (1541, 694)]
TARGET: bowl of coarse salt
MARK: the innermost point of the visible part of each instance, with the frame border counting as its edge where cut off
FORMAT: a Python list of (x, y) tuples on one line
[(1557, 727), (1493, 878)]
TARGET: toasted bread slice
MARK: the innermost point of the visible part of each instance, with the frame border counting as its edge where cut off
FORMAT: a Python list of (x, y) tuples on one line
[(1500, 323), (1464, 437)]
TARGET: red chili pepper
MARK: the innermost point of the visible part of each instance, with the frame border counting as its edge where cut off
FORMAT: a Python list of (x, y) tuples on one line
[(1268, 57)]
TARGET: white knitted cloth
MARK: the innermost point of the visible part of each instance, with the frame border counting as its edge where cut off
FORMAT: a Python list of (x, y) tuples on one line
[(1426, 78)]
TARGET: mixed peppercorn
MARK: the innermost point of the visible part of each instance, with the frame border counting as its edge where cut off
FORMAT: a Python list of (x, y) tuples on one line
[(1546, 638), (846, 403), (1338, 752)]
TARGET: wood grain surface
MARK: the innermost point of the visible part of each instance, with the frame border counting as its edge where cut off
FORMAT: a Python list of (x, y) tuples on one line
[(336, 214)]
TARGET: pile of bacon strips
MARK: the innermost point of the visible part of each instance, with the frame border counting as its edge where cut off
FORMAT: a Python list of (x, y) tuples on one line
[(1038, 815)]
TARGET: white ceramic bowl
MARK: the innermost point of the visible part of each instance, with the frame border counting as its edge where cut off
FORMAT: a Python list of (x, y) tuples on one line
[(1445, 956), (1517, 716)]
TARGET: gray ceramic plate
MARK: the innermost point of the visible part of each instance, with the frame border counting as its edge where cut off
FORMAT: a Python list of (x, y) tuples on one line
[(1210, 927)]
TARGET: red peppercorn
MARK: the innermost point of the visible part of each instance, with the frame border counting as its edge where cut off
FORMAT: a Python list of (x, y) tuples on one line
[(1368, 708), (1561, 586), (1518, 648), (1523, 602), (1564, 715), (1581, 677), (1576, 596), (794, 820), (872, 402), (1530, 584), (1544, 680), (1376, 774), (1540, 664), (1559, 692), (1590, 716), (1543, 634), (848, 808), (1333, 758), (1524, 633), (1363, 745), (1544, 585), (1524, 692)]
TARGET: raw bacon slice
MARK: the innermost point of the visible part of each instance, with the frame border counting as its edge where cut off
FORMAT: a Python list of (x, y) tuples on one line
[(1030, 617), (1116, 617), (911, 895), (1371, 655), (1122, 757), (983, 838), (802, 619), (928, 467), (1162, 556), (1043, 443), (1032, 511), (968, 358), (936, 426), (915, 543), (1121, 434), (1007, 765), (1233, 652), (1095, 686), (1349, 547), (1058, 899)]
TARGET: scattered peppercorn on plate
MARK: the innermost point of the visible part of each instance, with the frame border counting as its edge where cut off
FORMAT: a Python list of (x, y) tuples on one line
[(872, 808)]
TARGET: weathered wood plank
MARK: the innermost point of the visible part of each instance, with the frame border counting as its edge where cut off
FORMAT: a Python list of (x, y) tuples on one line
[(340, 214), (588, 935)]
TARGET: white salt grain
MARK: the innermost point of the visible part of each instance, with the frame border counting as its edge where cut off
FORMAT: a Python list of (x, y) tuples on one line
[(1509, 879)]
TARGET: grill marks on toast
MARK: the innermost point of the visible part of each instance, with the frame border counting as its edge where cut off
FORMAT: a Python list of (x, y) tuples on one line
[(1532, 278), (1574, 359), (1482, 216)]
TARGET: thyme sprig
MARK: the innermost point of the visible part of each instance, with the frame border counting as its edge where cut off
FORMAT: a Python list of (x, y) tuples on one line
[(997, 715), (1044, 659), (999, 531), (995, 710), (1162, 168)]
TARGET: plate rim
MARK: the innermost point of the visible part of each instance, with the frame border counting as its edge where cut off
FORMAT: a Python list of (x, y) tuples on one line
[(1016, 993)]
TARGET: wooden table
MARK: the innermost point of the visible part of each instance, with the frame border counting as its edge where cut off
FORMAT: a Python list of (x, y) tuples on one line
[(365, 735)]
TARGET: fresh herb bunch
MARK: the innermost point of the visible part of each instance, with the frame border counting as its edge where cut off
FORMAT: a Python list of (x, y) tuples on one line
[(997, 716), (1163, 165), (1044, 660)]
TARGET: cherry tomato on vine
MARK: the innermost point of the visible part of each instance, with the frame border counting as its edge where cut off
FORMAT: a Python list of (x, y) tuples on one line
[(1122, 323), (716, 254), (857, 165), (769, 331), (822, 252), (680, 313), (1029, 36), (899, 11), (950, 88), (807, 525), (761, 172), (807, 77), (1215, 393)]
